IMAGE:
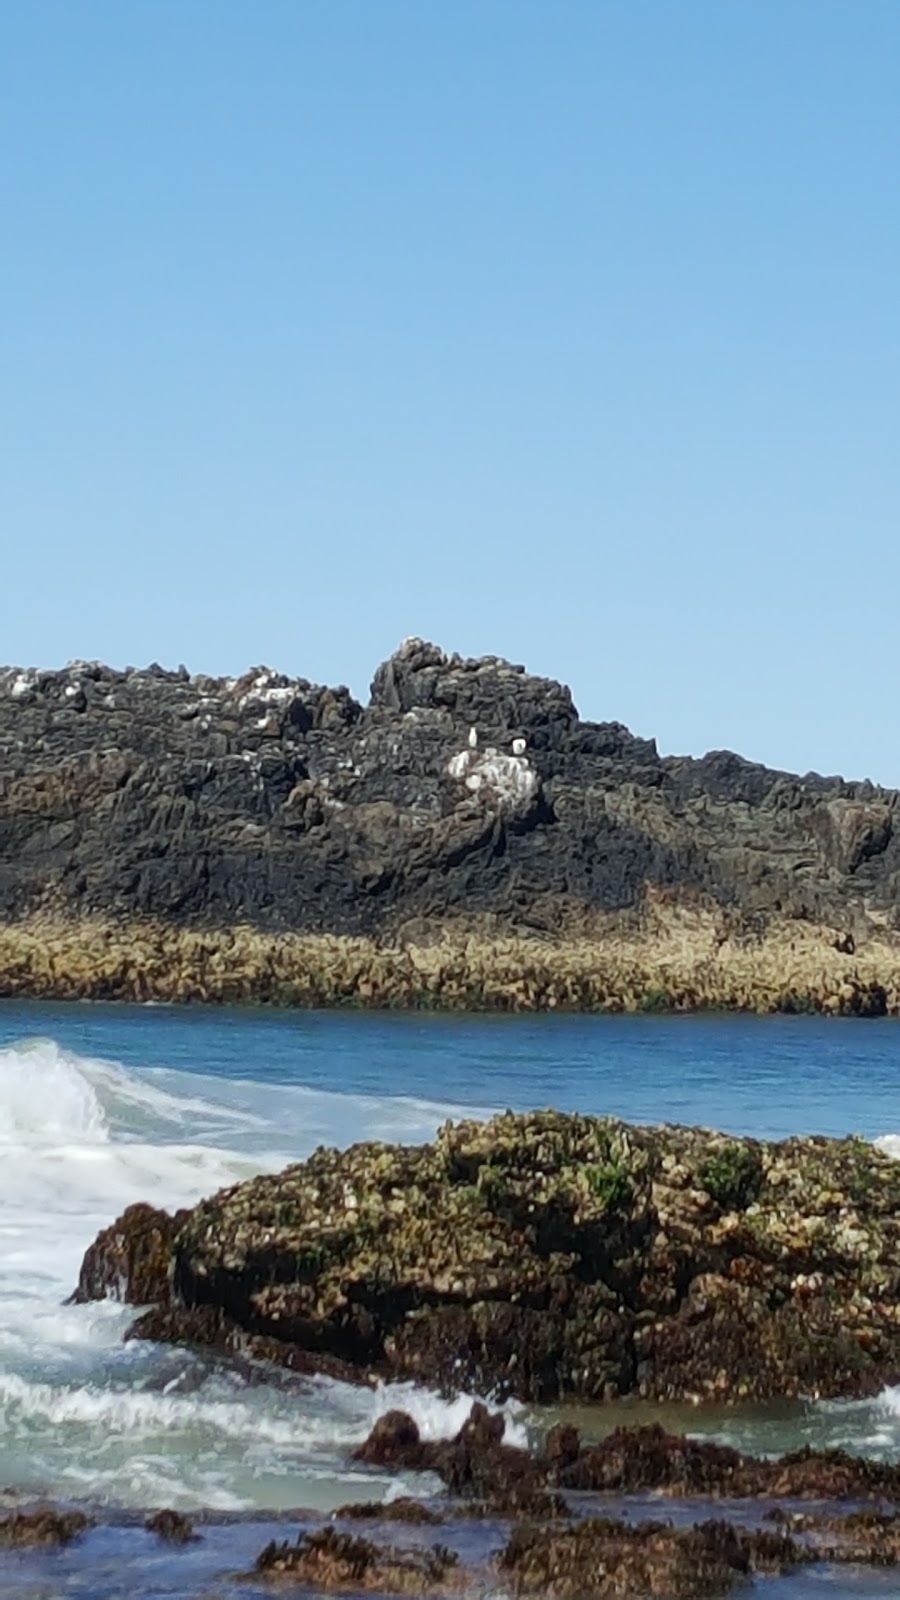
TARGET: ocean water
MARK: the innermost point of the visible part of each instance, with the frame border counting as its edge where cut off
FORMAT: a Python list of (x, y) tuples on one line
[(103, 1105)]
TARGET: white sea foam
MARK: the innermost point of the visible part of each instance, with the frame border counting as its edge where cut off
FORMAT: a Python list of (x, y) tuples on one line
[(889, 1401), (81, 1412)]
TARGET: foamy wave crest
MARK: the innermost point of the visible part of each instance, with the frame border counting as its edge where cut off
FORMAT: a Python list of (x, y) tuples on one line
[(80, 1139), (335, 1419), (890, 1144), (438, 1418), (44, 1097), (139, 1413), (48, 1094), (888, 1401)]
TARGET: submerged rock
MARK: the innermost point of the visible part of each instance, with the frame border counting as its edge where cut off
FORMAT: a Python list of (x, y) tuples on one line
[(509, 1481), (606, 1557), (545, 1255), (402, 1510), (173, 1526), (329, 1560), (42, 1525), (597, 1557)]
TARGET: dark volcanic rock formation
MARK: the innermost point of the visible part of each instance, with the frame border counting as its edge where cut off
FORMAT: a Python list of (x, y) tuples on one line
[(140, 806), (546, 1255)]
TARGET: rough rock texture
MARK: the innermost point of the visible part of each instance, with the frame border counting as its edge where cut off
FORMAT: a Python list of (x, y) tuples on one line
[(603, 1556), (129, 1261), (500, 1479), (43, 1525), (547, 1255), (173, 1526), (327, 1559), (175, 836), (597, 1557)]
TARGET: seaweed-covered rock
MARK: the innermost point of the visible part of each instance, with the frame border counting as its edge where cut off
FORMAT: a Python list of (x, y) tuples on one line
[(42, 1525), (510, 1481), (864, 1538), (603, 1556), (635, 1460), (130, 1260), (327, 1560), (545, 1255), (414, 1512)]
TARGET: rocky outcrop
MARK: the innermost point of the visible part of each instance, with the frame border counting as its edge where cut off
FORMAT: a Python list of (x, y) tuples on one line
[(547, 1541), (546, 1256), (41, 1526), (328, 1560), (464, 839), (478, 1466), (129, 1261), (604, 1556)]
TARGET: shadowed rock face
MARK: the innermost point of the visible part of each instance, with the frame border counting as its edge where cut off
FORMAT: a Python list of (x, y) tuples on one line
[(546, 1255), (287, 806), (130, 1260)]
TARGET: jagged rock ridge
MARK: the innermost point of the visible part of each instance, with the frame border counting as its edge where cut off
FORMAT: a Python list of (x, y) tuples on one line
[(277, 803)]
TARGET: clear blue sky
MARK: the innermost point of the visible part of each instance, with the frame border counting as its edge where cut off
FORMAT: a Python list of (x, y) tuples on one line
[(565, 331)]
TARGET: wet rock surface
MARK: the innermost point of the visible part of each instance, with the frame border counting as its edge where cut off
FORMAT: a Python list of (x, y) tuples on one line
[(606, 1556), (153, 805), (129, 1261), (546, 1256), (173, 1526), (327, 1559), (41, 1526), (509, 1481), (725, 1520)]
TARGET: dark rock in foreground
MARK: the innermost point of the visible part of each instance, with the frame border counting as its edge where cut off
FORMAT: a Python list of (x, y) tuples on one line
[(503, 1480), (130, 1260), (604, 1556), (597, 1557), (545, 1256), (327, 1559)]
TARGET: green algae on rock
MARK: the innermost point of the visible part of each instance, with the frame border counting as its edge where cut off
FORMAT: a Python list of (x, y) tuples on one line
[(545, 1256)]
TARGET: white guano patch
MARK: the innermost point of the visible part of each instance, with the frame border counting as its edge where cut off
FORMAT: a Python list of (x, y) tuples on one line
[(508, 783), (17, 683)]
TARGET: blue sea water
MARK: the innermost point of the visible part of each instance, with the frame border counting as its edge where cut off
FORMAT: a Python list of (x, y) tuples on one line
[(102, 1105), (766, 1076)]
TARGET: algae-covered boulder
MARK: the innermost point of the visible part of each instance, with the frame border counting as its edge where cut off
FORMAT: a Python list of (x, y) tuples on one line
[(546, 1255), (130, 1260)]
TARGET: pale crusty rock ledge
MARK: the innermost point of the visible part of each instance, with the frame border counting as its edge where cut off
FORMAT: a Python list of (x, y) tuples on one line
[(464, 840), (789, 970)]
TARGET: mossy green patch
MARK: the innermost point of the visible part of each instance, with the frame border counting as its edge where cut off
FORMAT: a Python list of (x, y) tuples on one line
[(733, 1175)]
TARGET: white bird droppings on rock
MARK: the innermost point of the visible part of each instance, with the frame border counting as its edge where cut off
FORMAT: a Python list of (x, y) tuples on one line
[(509, 783)]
